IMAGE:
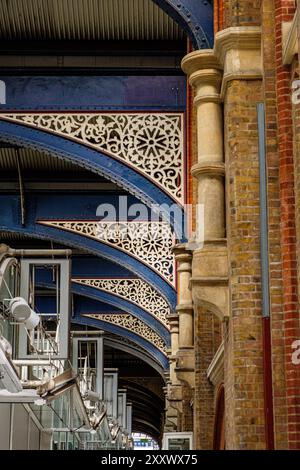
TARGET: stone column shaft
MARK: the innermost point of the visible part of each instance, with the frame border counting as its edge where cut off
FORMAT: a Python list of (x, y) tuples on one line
[(185, 304), (174, 330), (209, 169)]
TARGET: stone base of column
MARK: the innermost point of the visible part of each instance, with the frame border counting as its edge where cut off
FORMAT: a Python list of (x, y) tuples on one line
[(173, 407), (179, 412), (209, 280), (185, 366)]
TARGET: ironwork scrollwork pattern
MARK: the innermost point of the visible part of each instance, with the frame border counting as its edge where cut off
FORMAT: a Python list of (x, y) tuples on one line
[(151, 143), (149, 242), (133, 324), (136, 291)]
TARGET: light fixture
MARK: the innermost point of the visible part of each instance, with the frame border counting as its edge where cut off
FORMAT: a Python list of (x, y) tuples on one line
[(93, 431), (40, 402), (23, 313)]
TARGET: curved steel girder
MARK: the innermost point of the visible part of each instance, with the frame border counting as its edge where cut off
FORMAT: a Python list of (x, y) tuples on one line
[(195, 17), (123, 305), (120, 304), (144, 396), (143, 408), (141, 425), (117, 330), (137, 352), (92, 160), (88, 245)]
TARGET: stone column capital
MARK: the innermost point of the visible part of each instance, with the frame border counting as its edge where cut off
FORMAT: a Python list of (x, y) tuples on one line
[(205, 75), (196, 61), (184, 258), (173, 319), (238, 50), (182, 253), (187, 308), (211, 77), (242, 38)]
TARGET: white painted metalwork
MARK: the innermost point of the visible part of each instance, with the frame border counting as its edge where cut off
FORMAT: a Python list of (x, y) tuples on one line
[(149, 242), (133, 324), (136, 291), (152, 144)]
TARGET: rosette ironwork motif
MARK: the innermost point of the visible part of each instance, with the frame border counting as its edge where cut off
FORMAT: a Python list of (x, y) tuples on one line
[(152, 143), (149, 242)]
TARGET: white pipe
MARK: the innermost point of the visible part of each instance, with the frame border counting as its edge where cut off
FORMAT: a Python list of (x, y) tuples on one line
[(19, 252)]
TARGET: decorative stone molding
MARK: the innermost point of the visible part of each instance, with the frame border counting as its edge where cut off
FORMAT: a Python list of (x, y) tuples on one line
[(215, 371), (173, 321), (185, 366), (210, 278), (149, 242), (174, 330), (238, 49), (200, 60), (151, 143), (213, 169), (184, 308), (203, 68), (237, 52), (133, 324), (136, 291), (289, 40)]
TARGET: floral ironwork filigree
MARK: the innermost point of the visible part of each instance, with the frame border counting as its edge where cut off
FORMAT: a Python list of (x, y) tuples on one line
[(133, 324), (136, 291), (149, 242), (151, 143)]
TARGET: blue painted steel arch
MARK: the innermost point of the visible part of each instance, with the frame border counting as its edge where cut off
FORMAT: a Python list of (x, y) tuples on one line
[(10, 222), (92, 160), (98, 249), (117, 330), (120, 304), (125, 306), (195, 17)]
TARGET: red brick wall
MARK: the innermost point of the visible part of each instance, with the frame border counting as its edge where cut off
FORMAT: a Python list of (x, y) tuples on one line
[(218, 15), (274, 215), (294, 370), (284, 11)]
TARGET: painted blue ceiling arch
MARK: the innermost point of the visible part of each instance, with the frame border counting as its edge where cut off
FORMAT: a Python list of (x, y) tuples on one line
[(10, 222), (125, 306), (88, 158), (98, 249), (195, 17), (120, 304), (160, 357), (117, 343)]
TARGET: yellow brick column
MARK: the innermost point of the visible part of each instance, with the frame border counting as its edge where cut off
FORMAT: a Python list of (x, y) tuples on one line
[(239, 51)]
